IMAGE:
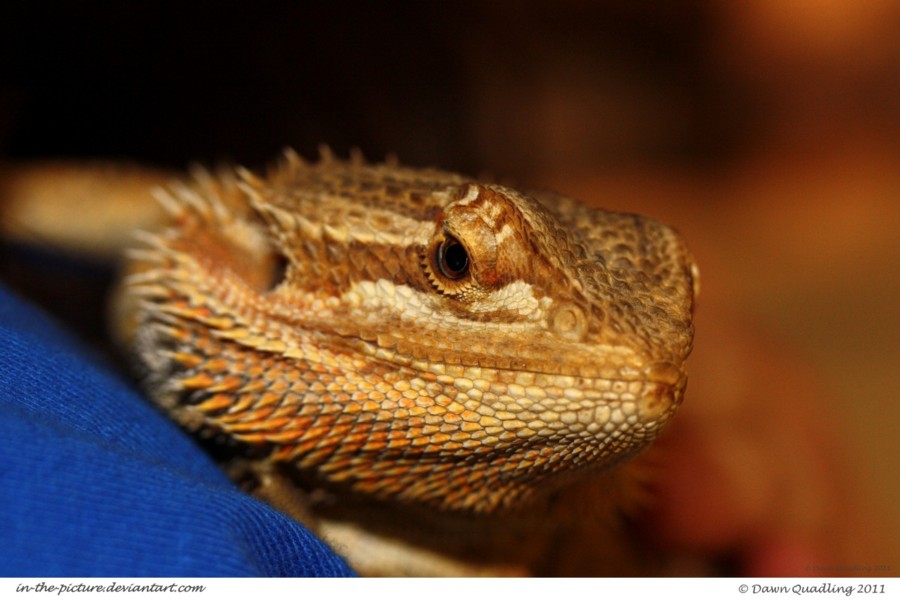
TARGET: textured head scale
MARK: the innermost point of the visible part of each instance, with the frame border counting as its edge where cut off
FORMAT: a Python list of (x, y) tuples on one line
[(432, 340)]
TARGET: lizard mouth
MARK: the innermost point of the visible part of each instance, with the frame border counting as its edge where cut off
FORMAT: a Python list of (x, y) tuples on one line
[(545, 399), (663, 391)]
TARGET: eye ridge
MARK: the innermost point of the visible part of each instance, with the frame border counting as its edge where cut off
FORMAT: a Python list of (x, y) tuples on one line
[(452, 258)]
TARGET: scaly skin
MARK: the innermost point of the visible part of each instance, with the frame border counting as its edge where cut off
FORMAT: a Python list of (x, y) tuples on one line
[(441, 376), (412, 340)]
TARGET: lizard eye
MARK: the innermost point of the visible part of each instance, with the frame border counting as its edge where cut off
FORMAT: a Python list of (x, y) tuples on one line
[(452, 258)]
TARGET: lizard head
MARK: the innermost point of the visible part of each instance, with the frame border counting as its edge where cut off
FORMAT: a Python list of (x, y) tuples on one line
[(429, 339)]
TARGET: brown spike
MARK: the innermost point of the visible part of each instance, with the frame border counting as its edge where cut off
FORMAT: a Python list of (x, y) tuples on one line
[(250, 178), (326, 156), (292, 159), (356, 156)]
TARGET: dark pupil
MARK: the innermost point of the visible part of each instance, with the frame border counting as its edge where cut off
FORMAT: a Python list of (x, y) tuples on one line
[(453, 259)]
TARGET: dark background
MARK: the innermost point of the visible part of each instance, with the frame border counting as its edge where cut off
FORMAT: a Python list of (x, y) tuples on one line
[(171, 83)]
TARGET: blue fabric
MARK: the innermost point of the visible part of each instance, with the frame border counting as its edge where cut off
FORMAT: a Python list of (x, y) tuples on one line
[(95, 482)]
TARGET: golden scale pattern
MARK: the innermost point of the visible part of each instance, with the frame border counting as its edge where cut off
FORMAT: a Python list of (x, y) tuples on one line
[(366, 368)]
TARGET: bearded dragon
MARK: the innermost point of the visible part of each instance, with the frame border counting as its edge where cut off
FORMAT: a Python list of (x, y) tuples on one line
[(441, 376)]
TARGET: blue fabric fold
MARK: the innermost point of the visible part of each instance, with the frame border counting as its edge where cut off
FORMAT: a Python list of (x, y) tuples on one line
[(94, 481)]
